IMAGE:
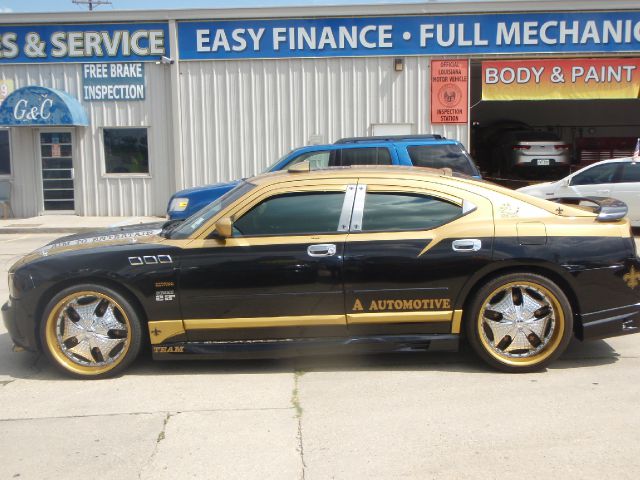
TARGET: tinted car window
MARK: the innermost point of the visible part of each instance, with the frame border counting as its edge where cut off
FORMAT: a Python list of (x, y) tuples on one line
[(595, 175), (292, 214), (630, 173), (441, 156), (402, 211), (362, 156)]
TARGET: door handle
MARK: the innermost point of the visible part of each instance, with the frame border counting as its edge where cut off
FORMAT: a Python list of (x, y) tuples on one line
[(603, 192), (466, 245), (321, 250)]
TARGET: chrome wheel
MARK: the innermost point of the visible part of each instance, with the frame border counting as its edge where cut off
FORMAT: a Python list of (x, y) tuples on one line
[(521, 323), (88, 332)]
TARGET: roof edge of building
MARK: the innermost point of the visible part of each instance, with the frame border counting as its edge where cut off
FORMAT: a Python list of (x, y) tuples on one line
[(426, 8)]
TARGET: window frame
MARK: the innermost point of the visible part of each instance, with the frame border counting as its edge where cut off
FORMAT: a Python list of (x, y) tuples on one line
[(616, 175), (345, 201), (393, 189), (103, 153), (8, 176), (203, 235)]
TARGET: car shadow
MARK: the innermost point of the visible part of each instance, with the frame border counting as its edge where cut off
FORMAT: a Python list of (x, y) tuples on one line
[(27, 365)]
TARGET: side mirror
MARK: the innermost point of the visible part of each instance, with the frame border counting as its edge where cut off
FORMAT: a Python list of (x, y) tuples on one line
[(224, 227), (565, 182)]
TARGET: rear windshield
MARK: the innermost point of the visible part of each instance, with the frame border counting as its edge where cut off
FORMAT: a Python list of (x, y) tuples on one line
[(442, 156)]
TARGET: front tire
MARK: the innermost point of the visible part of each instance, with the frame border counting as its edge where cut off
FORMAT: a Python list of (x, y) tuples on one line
[(520, 322), (90, 331)]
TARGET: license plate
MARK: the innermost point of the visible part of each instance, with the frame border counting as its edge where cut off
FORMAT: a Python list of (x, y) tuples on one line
[(543, 161)]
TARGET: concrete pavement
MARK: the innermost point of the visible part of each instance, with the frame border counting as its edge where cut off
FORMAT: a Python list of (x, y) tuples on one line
[(417, 416)]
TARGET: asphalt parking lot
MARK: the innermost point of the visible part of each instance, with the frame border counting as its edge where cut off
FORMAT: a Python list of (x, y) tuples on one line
[(392, 416)]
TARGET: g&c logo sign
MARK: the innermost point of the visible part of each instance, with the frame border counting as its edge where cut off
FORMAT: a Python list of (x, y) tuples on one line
[(23, 111), (34, 105)]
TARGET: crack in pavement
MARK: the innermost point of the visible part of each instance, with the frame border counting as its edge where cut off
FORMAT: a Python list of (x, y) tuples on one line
[(4, 383), (93, 415), (161, 437), (295, 401)]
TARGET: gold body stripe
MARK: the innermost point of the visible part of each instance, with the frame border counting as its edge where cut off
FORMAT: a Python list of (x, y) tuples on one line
[(400, 317), (257, 322), (457, 321), (161, 330)]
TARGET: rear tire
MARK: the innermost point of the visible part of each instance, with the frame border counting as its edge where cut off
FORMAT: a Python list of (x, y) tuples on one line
[(519, 322), (90, 331)]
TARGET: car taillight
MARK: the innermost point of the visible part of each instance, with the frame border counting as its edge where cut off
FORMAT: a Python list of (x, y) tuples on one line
[(521, 147), (561, 147)]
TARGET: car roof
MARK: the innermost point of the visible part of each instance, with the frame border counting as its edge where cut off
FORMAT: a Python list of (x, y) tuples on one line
[(439, 176), (391, 138)]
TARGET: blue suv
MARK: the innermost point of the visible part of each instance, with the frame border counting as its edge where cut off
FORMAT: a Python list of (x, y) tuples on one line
[(432, 151)]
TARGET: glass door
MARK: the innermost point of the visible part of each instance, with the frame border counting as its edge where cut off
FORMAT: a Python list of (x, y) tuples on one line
[(56, 155)]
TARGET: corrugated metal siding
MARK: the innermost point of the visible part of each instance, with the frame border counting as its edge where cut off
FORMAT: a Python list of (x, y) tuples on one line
[(241, 116), (97, 194)]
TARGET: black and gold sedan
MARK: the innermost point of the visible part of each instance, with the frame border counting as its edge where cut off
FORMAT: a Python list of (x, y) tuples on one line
[(339, 260)]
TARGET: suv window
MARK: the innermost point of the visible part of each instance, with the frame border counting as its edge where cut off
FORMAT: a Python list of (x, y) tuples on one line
[(600, 174), (405, 211), (292, 214), (441, 156), (317, 160), (362, 156), (630, 173)]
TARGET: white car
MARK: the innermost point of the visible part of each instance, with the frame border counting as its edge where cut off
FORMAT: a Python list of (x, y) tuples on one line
[(617, 178)]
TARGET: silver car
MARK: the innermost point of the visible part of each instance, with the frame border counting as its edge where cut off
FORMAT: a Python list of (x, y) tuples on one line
[(522, 151)]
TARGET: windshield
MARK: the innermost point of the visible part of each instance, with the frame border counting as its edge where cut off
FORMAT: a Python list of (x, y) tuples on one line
[(202, 216), (271, 168)]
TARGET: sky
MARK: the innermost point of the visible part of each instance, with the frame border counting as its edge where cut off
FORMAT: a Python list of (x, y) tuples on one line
[(67, 5)]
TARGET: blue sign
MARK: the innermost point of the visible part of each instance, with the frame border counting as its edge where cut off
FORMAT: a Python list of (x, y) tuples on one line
[(412, 35), (113, 81), (31, 106), (81, 43)]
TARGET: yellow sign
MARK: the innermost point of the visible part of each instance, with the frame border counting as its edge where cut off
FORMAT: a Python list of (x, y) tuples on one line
[(402, 305), (6, 87), (572, 79)]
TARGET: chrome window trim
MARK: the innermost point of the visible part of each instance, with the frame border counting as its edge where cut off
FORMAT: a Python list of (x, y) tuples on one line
[(347, 209), (358, 208)]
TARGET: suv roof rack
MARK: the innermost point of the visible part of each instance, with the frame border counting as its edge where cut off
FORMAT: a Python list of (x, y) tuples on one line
[(390, 138)]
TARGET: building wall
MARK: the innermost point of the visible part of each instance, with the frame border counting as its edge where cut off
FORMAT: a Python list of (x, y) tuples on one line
[(240, 116), (97, 193)]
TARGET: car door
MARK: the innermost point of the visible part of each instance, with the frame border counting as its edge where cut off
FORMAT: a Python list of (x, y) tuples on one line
[(595, 181), (279, 275), (410, 250), (627, 189)]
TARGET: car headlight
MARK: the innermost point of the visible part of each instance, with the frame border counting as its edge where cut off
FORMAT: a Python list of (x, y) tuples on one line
[(178, 204)]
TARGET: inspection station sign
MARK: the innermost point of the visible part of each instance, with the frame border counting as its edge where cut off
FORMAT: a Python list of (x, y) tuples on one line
[(558, 79), (81, 43), (411, 35), (113, 81), (449, 91)]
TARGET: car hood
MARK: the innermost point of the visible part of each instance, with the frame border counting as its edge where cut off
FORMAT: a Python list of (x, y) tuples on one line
[(125, 235), (204, 188)]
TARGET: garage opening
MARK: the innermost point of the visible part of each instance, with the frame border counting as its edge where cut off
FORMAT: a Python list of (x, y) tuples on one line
[(525, 139)]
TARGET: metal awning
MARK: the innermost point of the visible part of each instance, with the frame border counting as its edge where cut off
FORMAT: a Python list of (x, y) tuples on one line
[(40, 106)]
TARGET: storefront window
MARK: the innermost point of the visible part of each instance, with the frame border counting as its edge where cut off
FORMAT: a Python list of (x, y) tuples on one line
[(125, 150), (5, 153)]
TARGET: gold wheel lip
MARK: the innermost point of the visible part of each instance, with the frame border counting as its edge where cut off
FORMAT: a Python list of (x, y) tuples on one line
[(548, 350), (51, 337)]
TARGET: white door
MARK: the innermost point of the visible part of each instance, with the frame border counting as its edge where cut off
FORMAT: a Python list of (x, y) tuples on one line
[(627, 189), (56, 163)]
